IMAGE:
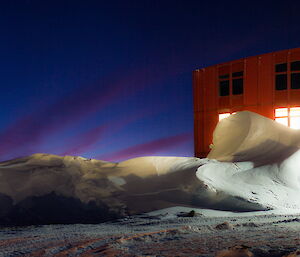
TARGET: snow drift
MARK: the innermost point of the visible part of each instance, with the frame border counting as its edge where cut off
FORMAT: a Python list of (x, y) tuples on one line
[(254, 165), (247, 136), (46, 188), (266, 161)]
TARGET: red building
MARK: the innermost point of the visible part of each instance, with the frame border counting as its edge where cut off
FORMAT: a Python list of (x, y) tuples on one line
[(268, 84)]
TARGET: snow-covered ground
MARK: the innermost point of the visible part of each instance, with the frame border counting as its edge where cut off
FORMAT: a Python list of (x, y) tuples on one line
[(166, 232)]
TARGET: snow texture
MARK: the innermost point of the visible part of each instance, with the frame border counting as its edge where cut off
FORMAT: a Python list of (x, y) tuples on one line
[(266, 163), (162, 233), (253, 165)]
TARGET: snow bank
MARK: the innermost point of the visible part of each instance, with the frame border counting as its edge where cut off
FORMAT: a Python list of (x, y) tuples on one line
[(46, 188), (247, 136), (50, 189), (90, 180), (271, 174), (254, 165)]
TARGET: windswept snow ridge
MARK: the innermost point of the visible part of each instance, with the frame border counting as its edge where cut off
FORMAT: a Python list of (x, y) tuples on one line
[(254, 165), (247, 136), (268, 171), (46, 188)]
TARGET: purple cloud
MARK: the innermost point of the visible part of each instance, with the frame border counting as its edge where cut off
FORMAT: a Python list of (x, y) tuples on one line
[(31, 130), (148, 148), (87, 140)]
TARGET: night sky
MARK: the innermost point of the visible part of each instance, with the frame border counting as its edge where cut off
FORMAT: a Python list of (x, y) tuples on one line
[(112, 79)]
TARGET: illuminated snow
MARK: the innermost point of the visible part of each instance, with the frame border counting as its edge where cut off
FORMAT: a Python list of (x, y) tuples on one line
[(263, 161), (253, 165)]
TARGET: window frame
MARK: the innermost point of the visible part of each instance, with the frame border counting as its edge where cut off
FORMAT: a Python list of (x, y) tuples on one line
[(230, 76), (279, 74), (292, 113), (289, 73), (220, 90)]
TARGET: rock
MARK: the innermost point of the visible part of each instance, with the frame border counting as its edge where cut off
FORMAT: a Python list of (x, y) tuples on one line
[(224, 226), (192, 213)]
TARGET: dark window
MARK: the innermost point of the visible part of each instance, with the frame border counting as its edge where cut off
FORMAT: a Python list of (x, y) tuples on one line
[(237, 86), (295, 65), (238, 74), (225, 76), (224, 88), (281, 67), (281, 82), (295, 81)]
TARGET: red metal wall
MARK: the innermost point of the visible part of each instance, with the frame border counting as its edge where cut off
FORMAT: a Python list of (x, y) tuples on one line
[(259, 94)]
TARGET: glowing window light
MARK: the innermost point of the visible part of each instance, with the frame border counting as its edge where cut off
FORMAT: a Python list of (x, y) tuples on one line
[(281, 112), (295, 111), (295, 122), (295, 117), (283, 121), (223, 115), (288, 116), (282, 116)]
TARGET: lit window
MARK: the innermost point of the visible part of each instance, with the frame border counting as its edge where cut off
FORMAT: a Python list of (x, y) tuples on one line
[(295, 111), (281, 112), (224, 115), (282, 116), (289, 117), (295, 117), (295, 122)]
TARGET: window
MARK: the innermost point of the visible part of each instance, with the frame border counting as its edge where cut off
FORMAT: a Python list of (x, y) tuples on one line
[(295, 75), (224, 88), (295, 80), (289, 117), (225, 76), (281, 116), (295, 118), (281, 82), (281, 76), (237, 86), (237, 83), (295, 66), (231, 82), (281, 67), (237, 74), (224, 115), (282, 71)]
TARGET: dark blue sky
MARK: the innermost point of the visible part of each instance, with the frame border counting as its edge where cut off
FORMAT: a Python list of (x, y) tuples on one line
[(112, 79)]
